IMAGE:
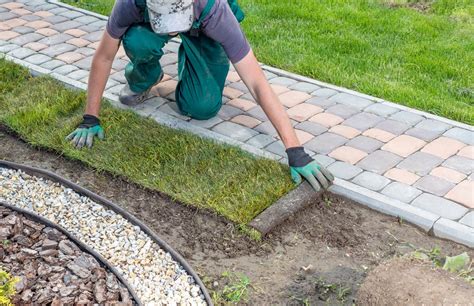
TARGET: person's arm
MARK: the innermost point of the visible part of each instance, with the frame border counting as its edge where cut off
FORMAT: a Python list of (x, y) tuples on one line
[(254, 78)]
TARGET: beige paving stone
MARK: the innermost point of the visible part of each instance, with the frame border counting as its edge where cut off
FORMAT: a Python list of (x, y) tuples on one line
[(164, 88), (47, 32), (78, 42), (448, 174), (43, 14), (232, 93), (463, 193), (70, 57), (278, 89), (303, 111), (233, 76), (38, 24), (402, 176), (94, 45), (121, 52), (346, 131), (293, 97), (12, 5), (7, 35), (21, 12), (245, 120), (4, 27), (242, 104), (379, 134), (75, 32), (467, 152), (15, 22), (443, 147), (326, 119), (35, 46), (303, 136), (348, 154), (404, 145)]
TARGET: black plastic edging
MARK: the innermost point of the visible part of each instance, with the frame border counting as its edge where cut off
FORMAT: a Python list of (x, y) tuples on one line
[(82, 246), (98, 199)]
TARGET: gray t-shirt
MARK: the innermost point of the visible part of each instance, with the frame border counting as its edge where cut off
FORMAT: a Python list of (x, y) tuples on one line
[(219, 25)]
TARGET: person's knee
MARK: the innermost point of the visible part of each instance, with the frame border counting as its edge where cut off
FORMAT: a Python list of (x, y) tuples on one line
[(201, 107)]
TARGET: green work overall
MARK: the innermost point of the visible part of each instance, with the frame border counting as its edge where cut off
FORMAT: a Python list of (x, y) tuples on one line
[(202, 63)]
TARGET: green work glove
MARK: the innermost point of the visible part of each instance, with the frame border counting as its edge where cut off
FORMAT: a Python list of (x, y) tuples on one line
[(85, 132), (301, 164)]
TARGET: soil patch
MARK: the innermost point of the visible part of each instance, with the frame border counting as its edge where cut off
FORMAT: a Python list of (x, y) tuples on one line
[(333, 242), (409, 281)]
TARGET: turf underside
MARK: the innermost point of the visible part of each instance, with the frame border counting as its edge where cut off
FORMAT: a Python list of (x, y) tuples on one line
[(189, 169)]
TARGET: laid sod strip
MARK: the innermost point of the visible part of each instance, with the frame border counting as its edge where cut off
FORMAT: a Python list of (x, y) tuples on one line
[(190, 169), (385, 48)]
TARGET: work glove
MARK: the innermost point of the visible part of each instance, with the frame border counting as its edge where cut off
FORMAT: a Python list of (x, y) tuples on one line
[(85, 132), (301, 164)]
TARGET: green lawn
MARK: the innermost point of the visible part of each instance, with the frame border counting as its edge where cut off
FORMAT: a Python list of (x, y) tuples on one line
[(188, 168), (422, 59)]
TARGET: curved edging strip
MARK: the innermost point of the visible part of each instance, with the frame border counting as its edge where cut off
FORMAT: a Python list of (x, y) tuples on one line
[(79, 243), (117, 209)]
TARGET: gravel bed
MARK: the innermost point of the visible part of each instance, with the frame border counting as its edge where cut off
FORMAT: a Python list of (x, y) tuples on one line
[(51, 269), (151, 272)]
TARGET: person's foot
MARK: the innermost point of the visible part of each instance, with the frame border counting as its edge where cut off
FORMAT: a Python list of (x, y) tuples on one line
[(131, 98)]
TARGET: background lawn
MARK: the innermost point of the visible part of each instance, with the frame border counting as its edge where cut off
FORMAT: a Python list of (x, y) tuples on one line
[(418, 53), (190, 169)]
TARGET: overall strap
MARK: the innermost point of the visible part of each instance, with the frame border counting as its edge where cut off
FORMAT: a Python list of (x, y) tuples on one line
[(141, 4), (197, 24)]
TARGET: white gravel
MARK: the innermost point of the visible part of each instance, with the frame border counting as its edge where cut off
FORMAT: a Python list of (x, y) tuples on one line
[(153, 274)]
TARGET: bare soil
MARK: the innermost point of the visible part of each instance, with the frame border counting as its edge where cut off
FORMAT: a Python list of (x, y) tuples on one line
[(413, 282), (320, 256)]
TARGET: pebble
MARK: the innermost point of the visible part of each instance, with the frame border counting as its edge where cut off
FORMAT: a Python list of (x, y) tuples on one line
[(151, 272)]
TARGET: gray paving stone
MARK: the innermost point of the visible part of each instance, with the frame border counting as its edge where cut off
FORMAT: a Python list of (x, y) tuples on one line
[(168, 59), (267, 128), (261, 141), (277, 148), (379, 161), (119, 64), (257, 112), (99, 24), (455, 231), (207, 124), (8, 47), (94, 36), (342, 111), (228, 112), (366, 144), (248, 96), (321, 102), (86, 19), (326, 143), (283, 81), (440, 206), (362, 121), (58, 10), (71, 14), (65, 70), (38, 59), (235, 131), (434, 185), (46, 7), (433, 125), (2, 10), (86, 51), (80, 74), (172, 47), (311, 127), (305, 87), (27, 38), (371, 181), (55, 39), (7, 16), (343, 170), (24, 30), (119, 77), (29, 18), (171, 70), (21, 53), (116, 89), (460, 163), (422, 134), (323, 159), (407, 117), (239, 86), (84, 63), (420, 163), (111, 83), (51, 64), (269, 75), (351, 100), (3, 42), (324, 92), (381, 109), (55, 19), (462, 135), (468, 219), (393, 126), (401, 192), (88, 28), (172, 109), (147, 108)]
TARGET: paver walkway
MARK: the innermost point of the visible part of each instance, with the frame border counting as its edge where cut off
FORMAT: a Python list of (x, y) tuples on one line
[(417, 165)]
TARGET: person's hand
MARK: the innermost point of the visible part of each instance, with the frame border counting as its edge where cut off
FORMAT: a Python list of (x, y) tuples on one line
[(302, 165), (86, 131)]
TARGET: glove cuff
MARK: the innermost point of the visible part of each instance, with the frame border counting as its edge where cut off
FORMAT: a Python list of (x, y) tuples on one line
[(89, 121), (297, 157)]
